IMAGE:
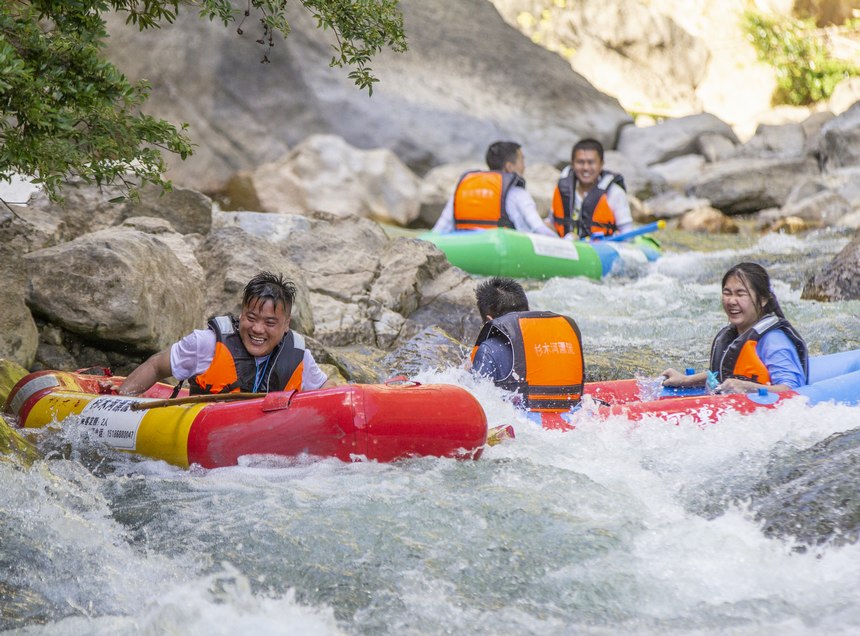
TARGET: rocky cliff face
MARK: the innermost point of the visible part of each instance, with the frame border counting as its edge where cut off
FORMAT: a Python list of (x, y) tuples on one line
[(467, 80), (669, 57)]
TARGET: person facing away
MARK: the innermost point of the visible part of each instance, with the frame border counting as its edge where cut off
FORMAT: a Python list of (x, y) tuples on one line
[(493, 198), (255, 353), (588, 199), (537, 354), (758, 347)]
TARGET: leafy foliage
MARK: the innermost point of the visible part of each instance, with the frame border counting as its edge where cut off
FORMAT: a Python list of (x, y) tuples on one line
[(805, 71), (66, 111)]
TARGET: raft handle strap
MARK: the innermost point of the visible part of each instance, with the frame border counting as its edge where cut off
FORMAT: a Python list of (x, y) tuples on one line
[(176, 389)]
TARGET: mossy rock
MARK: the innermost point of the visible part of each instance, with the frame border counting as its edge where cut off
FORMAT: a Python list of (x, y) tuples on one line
[(12, 444), (10, 373)]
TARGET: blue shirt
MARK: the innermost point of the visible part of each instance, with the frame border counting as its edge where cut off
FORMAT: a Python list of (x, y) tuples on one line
[(779, 355), (494, 359)]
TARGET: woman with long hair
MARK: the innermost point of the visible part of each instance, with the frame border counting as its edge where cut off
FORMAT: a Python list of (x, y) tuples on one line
[(759, 347)]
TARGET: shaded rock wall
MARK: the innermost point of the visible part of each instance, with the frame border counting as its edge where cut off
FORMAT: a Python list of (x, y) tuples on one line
[(467, 80)]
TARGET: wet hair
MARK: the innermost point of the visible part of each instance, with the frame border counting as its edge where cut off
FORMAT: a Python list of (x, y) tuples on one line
[(500, 152), (587, 144), (267, 286), (499, 296), (757, 281)]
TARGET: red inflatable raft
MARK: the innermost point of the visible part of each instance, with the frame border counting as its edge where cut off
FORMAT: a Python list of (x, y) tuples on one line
[(381, 422), (833, 378)]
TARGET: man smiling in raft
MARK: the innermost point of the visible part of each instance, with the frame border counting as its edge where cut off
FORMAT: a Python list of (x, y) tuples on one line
[(588, 199), (255, 353)]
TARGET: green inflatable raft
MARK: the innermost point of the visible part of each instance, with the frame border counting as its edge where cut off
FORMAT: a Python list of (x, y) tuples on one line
[(504, 252)]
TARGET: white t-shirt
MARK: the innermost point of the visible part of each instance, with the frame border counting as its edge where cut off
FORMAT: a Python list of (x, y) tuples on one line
[(520, 206), (194, 353)]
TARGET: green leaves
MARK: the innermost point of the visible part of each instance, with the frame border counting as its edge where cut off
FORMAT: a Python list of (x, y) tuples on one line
[(65, 111), (362, 28), (805, 71)]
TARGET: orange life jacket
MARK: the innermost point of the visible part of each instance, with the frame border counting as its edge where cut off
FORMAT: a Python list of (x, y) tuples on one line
[(595, 216), (734, 356), (233, 369), (479, 199), (548, 363)]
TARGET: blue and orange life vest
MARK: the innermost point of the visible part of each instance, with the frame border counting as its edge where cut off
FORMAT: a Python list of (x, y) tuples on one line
[(595, 216), (479, 199), (548, 363), (233, 369), (734, 356)]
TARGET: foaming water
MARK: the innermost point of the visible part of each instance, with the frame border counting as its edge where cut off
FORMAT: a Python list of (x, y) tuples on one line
[(616, 527)]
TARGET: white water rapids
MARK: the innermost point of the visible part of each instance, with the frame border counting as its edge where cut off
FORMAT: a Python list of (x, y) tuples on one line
[(614, 528)]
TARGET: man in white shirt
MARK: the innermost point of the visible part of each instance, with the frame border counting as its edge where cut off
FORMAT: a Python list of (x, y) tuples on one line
[(589, 200), (494, 198), (255, 353)]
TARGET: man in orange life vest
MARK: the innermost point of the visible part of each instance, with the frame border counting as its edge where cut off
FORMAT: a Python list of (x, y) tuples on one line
[(496, 197), (255, 353), (588, 199), (538, 354)]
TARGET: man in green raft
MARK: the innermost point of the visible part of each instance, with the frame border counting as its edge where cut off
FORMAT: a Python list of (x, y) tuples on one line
[(493, 198), (589, 200)]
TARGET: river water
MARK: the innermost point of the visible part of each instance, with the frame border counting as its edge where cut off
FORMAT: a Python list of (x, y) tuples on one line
[(613, 528)]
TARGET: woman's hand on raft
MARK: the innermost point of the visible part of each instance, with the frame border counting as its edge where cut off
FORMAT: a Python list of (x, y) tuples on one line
[(736, 385), (674, 378)]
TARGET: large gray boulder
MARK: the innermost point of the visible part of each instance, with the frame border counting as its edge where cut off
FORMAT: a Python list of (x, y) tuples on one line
[(340, 254), (775, 140), (640, 180), (792, 139), (447, 301), (671, 138), (673, 204), (230, 257), (468, 79), (24, 228), (840, 279), (810, 496), (739, 186), (187, 210), (365, 288), (84, 208), (822, 209), (629, 49), (839, 142), (119, 285), (430, 349), (678, 172), (327, 174)]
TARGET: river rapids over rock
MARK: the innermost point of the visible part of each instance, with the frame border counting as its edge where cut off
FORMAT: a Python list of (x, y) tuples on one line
[(616, 527)]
